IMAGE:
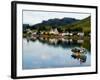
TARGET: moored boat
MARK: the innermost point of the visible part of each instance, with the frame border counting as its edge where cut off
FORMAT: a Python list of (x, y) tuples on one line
[(77, 49)]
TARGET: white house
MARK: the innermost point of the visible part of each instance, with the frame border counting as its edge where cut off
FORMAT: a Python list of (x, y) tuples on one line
[(41, 32), (65, 34), (80, 33), (70, 34), (33, 33), (29, 31), (54, 31)]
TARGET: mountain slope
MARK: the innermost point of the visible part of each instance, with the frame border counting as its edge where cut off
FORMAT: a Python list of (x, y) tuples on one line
[(55, 22), (85, 24), (64, 24)]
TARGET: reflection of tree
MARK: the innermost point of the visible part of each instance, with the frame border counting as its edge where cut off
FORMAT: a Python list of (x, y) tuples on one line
[(62, 42), (80, 56), (28, 38), (59, 42), (87, 44)]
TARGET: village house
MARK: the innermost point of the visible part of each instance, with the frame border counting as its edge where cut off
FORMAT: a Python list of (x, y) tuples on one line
[(34, 33), (29, 31), (42, 32), (65, 34), (70, 34), (54, 31), (80, 33)]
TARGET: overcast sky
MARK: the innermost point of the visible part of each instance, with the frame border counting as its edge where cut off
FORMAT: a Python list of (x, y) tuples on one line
[(34, 17)]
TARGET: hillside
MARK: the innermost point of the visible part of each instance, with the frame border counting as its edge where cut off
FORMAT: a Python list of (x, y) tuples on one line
[(54, 23), (85, 24), (63, 25)]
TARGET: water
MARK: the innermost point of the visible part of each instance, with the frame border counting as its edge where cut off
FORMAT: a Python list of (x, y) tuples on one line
[(54, 53)]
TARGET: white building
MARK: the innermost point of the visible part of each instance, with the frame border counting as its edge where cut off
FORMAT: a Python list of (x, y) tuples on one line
[(65, 34), (28, 31), (54, 31), (33, 33), (70, 34), (80, 33), (41, 32)]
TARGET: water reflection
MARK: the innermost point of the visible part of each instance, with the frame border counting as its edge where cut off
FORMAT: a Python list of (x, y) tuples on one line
[(43, 52), (79, 56), (63, 42)]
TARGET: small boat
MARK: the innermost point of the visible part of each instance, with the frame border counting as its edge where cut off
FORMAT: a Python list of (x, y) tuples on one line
[(77, 49)]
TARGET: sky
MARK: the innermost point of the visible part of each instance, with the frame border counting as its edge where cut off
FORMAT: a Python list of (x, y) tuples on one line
[(34, 17)]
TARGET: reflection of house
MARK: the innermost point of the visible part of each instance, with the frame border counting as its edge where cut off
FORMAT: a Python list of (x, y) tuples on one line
[(70, 40), (53, 41), (54, 31), (80, 33), (41, 38), (80, 41), (33, 38), (64, 40)]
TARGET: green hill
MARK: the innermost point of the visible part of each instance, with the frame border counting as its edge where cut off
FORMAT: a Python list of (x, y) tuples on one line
[(84, 25), (64, 25)]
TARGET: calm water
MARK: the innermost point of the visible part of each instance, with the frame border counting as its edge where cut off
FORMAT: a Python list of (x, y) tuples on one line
[(54, 53)]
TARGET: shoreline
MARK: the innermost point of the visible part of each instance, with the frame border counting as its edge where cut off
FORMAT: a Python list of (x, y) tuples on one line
[(58, 36)]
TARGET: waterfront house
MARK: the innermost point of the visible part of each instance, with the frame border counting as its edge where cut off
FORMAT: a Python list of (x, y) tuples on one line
[(42, 32), (70, 34), (65, 34), (80, 33), (29, 31), (34, 33), (54, 31)]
